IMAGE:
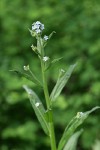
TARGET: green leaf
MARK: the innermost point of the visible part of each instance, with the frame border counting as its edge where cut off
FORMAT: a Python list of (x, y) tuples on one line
[(72, 142), (51, 34), (28, 76), (51, 63), (56, 60), (71, 127), (38, 108), (96, 145), (62, 80)]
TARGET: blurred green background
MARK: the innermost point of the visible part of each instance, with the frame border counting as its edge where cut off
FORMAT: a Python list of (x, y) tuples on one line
[(77, 39)]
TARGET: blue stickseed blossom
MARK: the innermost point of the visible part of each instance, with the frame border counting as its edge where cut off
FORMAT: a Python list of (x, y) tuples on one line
[(38, 31), (42, 27), (46, 37), (34, 27), (37, 27)]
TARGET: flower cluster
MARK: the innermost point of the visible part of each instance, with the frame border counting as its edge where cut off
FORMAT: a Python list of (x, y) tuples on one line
[(37, 27), (36, 31)]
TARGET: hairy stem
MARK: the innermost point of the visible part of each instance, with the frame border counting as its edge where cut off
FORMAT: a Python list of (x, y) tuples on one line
[(49, 108)]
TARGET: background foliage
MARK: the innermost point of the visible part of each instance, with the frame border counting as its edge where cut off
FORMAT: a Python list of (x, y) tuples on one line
[(77, 38)]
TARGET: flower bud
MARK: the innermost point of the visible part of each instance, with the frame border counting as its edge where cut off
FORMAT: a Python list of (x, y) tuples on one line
[(46, 58), (34, 48), (37, 104), (26, 68), (46, 38), (79, 114)]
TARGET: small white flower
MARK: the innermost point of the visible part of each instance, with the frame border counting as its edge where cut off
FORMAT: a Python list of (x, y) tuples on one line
[(38, 31), (37, 104), (79, 114), (42, 26), (34, 27), (37, 27), (46, 58), (46, 37), (38, 22)]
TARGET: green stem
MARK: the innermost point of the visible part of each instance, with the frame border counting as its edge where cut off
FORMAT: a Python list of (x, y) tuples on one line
[(46, 93)]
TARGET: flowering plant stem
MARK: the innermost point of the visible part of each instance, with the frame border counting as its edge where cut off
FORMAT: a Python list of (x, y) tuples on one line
[(45, 116), (49, 108)]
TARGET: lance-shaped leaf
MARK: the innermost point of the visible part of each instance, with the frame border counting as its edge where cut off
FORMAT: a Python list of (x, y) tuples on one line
[(28, 76), (56, 60), (61, 82), (51, 63), (72, 142), (38, 108), (71, 127), (51, 34), (96, 145)]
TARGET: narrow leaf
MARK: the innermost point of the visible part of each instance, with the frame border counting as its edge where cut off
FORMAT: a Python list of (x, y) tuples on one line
[(38, 108), (61, 82), (71, 127), (96, 145), (51, 34), (72, 142), (51, 63), (56, 60), (27, 76)]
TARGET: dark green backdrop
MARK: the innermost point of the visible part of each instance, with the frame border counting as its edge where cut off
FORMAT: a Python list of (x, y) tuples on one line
[(77, 39)]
